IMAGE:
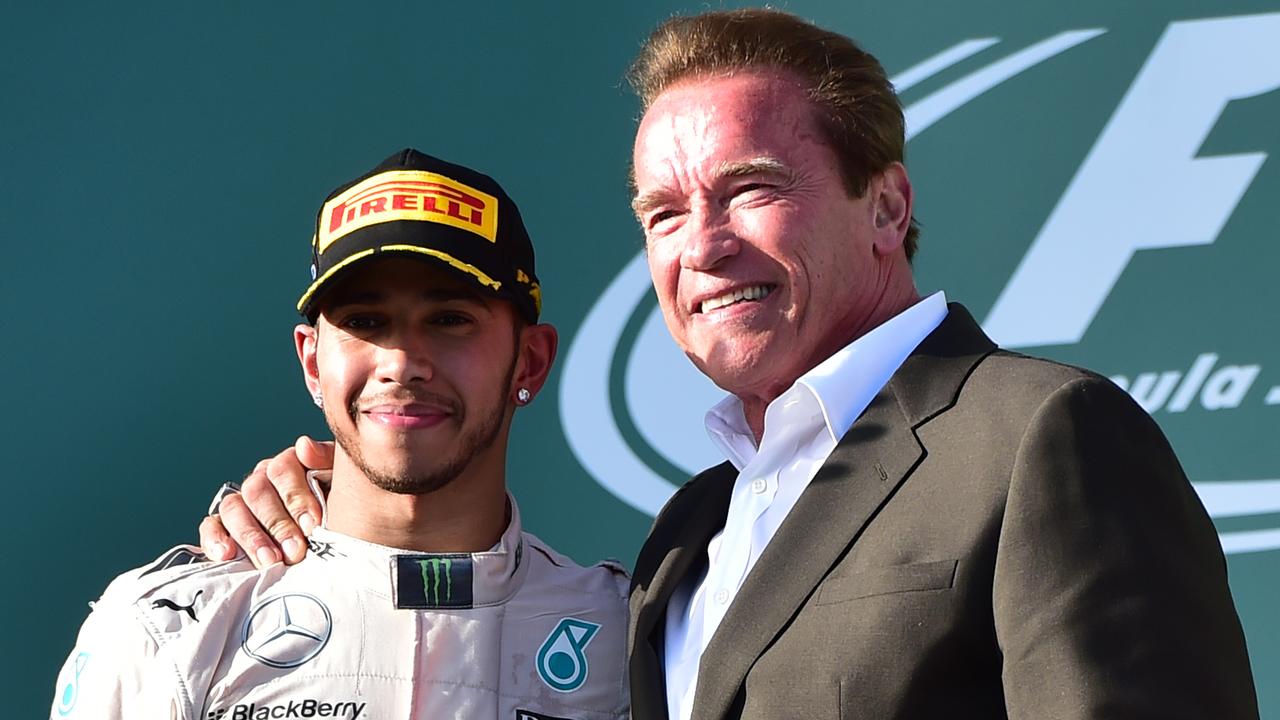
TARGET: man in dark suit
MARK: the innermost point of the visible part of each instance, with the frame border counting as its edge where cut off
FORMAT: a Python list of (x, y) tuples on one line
[(912, 523)]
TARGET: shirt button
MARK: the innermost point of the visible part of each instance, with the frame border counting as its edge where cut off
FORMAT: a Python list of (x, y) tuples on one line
[(722, 596), (758, 485)]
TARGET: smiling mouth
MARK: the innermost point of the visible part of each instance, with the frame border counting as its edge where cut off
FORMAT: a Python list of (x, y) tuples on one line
[(411, 416), (406, 421), (751, 293)]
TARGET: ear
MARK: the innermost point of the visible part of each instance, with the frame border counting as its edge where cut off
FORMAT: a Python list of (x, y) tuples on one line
[(892, 199), (304, 340), (537, 353)]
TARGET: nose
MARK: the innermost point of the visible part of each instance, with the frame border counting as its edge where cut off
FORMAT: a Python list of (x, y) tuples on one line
[(404, 358), (708, 242)]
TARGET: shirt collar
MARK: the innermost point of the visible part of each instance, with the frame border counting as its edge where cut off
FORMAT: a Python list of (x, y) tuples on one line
[(415, 580), (843, 384)]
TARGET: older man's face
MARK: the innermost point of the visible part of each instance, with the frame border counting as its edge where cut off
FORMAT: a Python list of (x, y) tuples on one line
[(762, 262)]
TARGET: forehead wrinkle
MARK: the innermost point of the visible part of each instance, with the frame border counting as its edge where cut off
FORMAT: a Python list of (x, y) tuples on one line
[(667, 189), (688, 138), (672, 138)]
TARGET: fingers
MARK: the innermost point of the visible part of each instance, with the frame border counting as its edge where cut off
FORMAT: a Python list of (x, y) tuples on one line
[(288, 477), (244, 528), (274, 511), (313, 454), (214, 539), (273, 493)]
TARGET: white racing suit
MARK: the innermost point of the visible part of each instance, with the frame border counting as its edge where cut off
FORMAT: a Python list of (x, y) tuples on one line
[(356, 631)]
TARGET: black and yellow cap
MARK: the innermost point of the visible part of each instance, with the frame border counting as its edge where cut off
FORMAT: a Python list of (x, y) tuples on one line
[(421, 206)]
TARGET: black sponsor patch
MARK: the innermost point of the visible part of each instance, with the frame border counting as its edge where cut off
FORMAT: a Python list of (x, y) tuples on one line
[(424, 582), (531, 715), (174, 558)]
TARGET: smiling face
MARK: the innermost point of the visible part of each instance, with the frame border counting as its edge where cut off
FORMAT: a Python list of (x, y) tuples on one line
[(417, 368), (762, 262)]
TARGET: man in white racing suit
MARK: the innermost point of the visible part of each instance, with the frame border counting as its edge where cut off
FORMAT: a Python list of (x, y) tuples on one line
[(421, 597), (356, 630)]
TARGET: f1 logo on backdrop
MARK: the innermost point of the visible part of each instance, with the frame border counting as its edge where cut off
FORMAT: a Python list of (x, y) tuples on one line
[(1196, 68)]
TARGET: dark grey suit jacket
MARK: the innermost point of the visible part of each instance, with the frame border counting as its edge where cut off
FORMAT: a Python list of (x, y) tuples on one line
[(996, 536)]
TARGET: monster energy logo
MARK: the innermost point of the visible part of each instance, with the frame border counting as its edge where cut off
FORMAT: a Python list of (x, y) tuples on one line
[(431, 578), (433, 581)]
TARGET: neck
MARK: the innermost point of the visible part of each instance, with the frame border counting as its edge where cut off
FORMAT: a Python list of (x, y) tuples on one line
[(897, 298), (468, 514)]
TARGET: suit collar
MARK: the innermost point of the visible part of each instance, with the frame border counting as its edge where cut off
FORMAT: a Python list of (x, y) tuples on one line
[(930, 378)]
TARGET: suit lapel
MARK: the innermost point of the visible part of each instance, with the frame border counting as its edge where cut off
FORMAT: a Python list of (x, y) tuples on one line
[(872, 459), (864, 469), (677, 546)]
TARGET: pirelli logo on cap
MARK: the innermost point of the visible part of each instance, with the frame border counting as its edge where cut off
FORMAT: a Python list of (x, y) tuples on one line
[(408, 195)]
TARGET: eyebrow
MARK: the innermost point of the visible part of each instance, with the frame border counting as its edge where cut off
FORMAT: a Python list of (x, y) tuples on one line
[(765, 165), (756, 166)]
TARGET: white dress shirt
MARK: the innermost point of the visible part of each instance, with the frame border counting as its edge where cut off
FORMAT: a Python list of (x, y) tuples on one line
[(801, 428)]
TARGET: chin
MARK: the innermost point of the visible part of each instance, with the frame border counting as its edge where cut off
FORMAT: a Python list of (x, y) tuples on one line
[(731, 363), (408, 480), (733, 377)]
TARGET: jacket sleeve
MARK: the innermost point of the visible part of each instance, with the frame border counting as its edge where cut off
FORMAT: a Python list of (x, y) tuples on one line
[(115, 670), (1110, 593)]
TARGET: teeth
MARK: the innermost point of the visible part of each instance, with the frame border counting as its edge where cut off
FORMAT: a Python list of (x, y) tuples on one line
[(755, 292)]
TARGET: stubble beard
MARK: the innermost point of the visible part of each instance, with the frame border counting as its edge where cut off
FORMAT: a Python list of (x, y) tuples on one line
[(468, 446)]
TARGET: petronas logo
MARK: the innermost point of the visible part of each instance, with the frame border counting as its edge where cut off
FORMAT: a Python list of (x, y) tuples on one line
[(562, 659), (431, 579)]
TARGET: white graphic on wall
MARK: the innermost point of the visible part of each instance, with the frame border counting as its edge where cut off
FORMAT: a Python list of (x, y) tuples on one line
[(1142, 186), (1151, 140)]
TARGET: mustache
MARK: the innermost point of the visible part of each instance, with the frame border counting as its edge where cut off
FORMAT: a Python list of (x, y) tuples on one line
[(405, 396)]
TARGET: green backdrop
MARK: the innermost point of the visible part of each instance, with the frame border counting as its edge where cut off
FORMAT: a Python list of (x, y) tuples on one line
[(1093, 179)]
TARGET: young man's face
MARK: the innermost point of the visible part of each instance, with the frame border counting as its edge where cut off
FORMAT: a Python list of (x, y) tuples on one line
[(417, 369)]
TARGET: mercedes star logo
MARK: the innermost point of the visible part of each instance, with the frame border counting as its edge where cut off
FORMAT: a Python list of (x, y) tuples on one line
[(286, 631)]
